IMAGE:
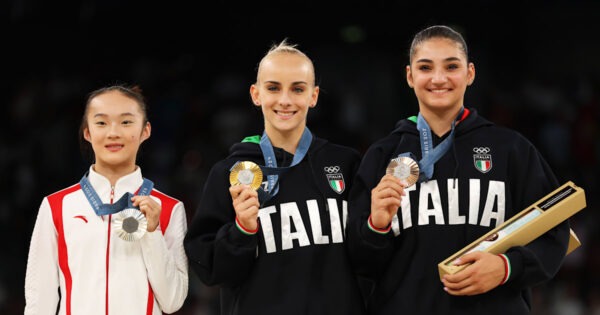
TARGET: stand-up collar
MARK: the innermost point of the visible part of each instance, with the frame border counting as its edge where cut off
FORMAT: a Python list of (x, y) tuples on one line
[(128, 183)]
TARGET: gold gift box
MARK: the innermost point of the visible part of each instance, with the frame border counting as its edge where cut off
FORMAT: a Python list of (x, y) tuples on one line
[(526, 226)]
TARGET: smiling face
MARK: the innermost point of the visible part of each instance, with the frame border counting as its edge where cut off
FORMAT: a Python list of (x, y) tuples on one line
[(439, 73), (285, 90), (115, 128)]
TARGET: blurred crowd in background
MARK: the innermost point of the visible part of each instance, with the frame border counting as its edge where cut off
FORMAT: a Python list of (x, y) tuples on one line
[(537, 71)]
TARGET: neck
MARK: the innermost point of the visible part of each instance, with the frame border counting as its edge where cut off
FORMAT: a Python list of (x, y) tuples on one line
[(113, 173), (287, 140), (440, 121)]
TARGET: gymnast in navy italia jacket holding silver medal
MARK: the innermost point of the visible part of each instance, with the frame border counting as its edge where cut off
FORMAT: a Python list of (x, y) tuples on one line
[(269, 229), (438, 182), (110, 244)]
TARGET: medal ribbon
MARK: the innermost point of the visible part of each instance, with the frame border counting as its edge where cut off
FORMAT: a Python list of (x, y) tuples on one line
[(271, 170), (430, 154), (123, 203)]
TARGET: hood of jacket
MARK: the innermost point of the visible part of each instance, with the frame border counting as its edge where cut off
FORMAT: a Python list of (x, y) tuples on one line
[(471, 122)]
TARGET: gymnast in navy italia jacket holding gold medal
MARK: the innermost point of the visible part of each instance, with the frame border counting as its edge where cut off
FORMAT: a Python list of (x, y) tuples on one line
[(269, 228), (438, 182)]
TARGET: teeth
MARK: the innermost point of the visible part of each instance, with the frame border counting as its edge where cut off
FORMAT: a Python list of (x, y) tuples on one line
[(285, 113)]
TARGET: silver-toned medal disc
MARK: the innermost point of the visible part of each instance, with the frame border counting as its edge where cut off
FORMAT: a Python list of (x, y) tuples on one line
[(404, 168), (245, 177), (130, 224)]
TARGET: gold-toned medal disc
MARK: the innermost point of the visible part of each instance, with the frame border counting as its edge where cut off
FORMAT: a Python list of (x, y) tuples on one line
[(130, 224), (404, 168), (246, 173)]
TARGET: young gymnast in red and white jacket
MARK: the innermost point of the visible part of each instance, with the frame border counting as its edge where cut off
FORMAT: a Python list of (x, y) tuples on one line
[(110, 244)]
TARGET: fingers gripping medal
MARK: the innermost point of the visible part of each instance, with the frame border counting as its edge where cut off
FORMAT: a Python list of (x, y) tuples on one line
[(405, 169), (246, 173), (130, 224)]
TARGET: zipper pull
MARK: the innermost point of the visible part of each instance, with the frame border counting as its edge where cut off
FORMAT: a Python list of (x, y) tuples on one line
[(112, 194)]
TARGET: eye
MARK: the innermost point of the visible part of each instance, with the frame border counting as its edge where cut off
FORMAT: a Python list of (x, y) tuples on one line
[(424, 67), (127, 122), (453, 66), (100, 123), (298, 90), (273, 88)]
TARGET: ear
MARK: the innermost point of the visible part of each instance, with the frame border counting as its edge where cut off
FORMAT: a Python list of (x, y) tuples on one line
[(409, 78), (254, 94), (314, 97), (471, 73), (145, 132), (86, 135)]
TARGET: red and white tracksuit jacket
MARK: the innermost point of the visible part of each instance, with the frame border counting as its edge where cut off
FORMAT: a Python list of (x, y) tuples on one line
[(75, 250)]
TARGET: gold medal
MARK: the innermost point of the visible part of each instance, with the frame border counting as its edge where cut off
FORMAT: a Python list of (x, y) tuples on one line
[(246, 173), (130, 224), (404, 168)]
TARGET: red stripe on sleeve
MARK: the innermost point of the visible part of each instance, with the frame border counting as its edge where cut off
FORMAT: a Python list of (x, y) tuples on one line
[(56, 206)]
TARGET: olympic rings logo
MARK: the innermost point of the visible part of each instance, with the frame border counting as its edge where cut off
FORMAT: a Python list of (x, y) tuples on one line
[(331, 169), (481, 150)]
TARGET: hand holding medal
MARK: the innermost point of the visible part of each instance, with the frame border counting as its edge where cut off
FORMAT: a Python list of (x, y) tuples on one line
[(386, 197), (245, 201), (131, 224)]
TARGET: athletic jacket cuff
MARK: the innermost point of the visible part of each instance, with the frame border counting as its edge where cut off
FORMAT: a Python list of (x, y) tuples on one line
[(244, 230), (507, 268), (515, 261), (241, 239), (377, 240), (376, 229)]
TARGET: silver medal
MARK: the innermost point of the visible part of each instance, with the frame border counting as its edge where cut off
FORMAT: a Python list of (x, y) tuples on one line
[(130, 224)]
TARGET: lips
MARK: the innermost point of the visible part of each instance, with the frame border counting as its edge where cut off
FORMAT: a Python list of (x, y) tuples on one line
[(285, 114), (439, 91), (113, 147)]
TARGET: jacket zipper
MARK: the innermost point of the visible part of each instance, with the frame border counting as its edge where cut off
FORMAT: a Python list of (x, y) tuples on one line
[(112, 196)]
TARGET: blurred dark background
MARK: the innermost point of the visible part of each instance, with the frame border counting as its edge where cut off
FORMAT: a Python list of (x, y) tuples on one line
[(538, 71)]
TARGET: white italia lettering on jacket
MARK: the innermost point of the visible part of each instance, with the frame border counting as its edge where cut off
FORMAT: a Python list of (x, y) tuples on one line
[(430, 206), (294, 228)]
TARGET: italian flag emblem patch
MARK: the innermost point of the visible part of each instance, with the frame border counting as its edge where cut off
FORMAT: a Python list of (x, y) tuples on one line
[(482, 159), (335, 179)]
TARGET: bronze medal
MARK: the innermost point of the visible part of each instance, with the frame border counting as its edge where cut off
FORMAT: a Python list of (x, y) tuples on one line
[(404, 168), (246, 173)]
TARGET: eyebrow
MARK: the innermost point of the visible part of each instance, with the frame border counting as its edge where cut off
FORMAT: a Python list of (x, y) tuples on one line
[(449, 59), (106, 115), (293, 83)]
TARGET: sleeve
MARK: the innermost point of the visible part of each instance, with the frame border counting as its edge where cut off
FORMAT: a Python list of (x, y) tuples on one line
[(166, 262), (42, 275), (541, 259), (217, 250), (369, 251)]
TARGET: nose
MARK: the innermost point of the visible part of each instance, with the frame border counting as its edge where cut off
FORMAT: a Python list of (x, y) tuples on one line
[(114, 130), (285, 99), (439, 76)]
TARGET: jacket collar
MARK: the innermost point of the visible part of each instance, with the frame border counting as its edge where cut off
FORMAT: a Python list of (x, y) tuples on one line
[(128, 183)]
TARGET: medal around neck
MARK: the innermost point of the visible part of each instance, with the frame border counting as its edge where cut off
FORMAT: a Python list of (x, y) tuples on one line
[(130, 224), (246, 173), (405, 169)]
